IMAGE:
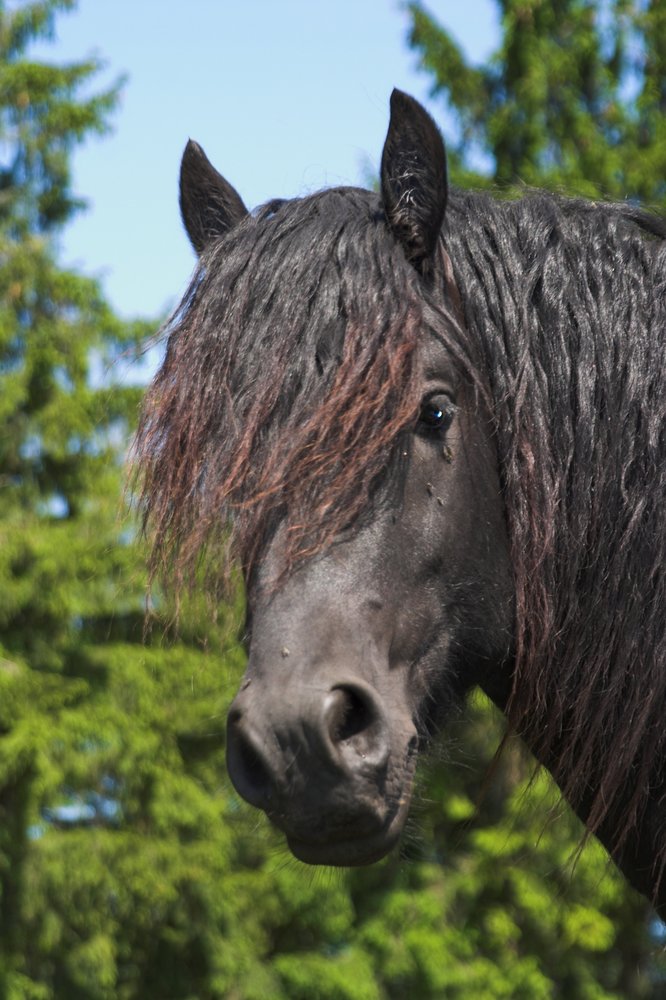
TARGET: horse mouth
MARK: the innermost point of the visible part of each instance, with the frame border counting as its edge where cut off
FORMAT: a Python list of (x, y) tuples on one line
[(349, 826), (350, 853), (352, 845)]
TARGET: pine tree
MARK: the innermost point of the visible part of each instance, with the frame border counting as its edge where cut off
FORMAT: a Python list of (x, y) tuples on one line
[(573, 100), (103, 765), (59, 466)]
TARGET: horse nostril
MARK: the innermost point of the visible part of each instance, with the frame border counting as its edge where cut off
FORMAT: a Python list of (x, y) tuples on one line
[(249, 773), (349, 715), (355, 724)]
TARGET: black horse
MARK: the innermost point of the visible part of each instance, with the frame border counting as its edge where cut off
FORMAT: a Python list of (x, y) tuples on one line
[(429, 426)]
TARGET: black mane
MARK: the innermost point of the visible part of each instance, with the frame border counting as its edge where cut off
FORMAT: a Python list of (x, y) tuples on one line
[(565, 308)]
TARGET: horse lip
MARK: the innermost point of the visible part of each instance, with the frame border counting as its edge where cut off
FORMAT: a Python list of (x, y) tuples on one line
[(348, 853), (354, 844), (323, 830)]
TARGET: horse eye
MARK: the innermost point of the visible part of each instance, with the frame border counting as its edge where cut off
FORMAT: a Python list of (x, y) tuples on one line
[(436, 414)]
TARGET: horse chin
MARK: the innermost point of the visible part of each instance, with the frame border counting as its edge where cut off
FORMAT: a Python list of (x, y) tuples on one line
[(350, 851), (343, 854)]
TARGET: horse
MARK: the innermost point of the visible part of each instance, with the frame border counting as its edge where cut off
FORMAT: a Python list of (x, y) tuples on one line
[(428, 425)]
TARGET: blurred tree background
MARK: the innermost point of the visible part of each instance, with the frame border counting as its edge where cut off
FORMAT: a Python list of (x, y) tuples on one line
[(128, 866), (574, 99)]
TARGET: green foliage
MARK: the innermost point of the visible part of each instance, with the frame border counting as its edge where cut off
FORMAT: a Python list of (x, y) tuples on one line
[(573, 99), (128, 867), (496, 900)]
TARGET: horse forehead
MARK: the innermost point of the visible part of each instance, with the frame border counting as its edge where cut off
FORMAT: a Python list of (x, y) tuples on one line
[(435, 359)]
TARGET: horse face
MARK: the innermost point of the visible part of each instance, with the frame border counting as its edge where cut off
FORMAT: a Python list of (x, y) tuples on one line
[(359, 654)]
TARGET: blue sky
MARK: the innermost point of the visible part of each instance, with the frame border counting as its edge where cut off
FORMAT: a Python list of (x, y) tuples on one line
[(286, 96)]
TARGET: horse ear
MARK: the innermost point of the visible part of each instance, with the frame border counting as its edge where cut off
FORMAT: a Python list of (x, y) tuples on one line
[(413, 178), (209, 205)]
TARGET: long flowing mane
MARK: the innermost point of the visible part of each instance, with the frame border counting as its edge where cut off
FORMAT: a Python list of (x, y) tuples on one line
[(565, 308), (289, 381)]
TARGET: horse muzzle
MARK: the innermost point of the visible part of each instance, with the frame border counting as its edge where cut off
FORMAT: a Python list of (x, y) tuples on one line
[(327, 763)]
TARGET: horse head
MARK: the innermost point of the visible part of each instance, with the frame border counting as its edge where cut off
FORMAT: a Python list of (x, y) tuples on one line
[(397, 413), (356, 653)]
